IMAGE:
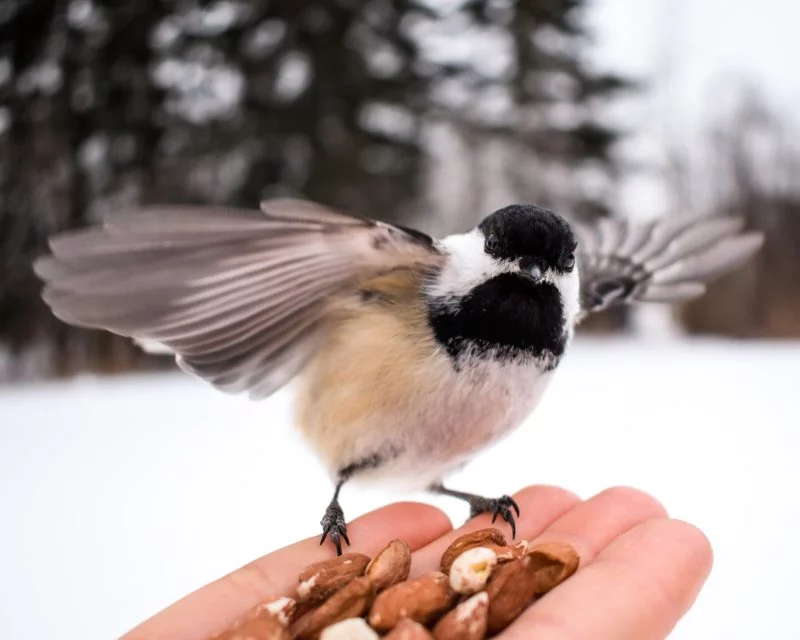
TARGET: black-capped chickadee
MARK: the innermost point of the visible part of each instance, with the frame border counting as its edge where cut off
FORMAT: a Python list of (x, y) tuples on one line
[(412, 354)]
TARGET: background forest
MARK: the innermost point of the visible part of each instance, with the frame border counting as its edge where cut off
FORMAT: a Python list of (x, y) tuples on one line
[(421, 112)]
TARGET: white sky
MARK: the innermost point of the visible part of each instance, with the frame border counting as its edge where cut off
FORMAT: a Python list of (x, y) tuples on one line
[(691, 52)]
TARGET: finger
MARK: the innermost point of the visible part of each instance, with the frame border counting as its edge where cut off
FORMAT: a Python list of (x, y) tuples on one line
[(539, 505), (214, 607), (592, 525), (638, 587)]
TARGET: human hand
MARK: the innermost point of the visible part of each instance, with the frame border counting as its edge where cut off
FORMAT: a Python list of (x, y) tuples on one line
[(639, 574)]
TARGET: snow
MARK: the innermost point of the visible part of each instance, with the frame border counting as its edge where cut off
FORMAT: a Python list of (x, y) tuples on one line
[(200, 92), (119, 496)]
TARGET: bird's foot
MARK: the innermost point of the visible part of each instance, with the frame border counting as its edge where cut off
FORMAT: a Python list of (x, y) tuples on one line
[(333, 523), (501, 506), (504, 506)]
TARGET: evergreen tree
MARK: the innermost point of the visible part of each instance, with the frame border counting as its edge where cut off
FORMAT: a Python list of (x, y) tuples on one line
[(393, 109)]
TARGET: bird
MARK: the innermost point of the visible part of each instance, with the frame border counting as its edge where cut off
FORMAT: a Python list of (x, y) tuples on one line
[(409, 355)]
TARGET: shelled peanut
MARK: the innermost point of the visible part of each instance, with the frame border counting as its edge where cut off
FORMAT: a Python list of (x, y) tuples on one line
[(481, 586)]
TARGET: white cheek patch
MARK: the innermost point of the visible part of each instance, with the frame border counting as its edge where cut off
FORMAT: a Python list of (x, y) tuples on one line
[(467, 267), (569, 285)]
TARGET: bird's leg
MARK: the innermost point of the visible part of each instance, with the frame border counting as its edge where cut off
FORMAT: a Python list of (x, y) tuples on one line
[(501, 506), (333, 521)]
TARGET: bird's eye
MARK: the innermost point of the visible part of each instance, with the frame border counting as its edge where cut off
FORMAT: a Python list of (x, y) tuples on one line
[(492, 243), (569, 262)]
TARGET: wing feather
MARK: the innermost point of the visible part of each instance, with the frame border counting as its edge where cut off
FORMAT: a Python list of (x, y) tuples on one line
[(669, 260), (239, 297)]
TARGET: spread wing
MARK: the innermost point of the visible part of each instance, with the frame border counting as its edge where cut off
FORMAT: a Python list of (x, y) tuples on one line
[(239, 296), (668, 260)]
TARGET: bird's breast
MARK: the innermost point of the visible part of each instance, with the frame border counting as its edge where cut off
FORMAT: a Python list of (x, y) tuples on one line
[(383, 385), (504, 318)]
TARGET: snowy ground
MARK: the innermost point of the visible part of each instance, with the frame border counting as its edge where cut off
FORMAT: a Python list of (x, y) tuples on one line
[(118, 497)]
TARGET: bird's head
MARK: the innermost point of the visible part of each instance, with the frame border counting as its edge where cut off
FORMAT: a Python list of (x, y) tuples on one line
[(525, 243)]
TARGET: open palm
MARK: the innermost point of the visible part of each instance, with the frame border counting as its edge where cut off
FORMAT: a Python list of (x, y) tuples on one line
[(640, 571)]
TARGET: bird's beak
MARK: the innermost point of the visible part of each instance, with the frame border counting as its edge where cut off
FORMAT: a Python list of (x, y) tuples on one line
[(533, 272)]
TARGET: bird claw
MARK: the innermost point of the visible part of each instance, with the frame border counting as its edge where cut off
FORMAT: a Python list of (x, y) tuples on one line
[(333, 524), (505, 507)]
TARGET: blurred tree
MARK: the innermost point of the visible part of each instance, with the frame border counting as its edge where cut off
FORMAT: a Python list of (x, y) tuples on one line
[(396, 109), (517, 115), (747, 165)]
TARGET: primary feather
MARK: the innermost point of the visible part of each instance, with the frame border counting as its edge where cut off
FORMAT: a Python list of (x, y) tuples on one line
[(668, 260), (240, 297)]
